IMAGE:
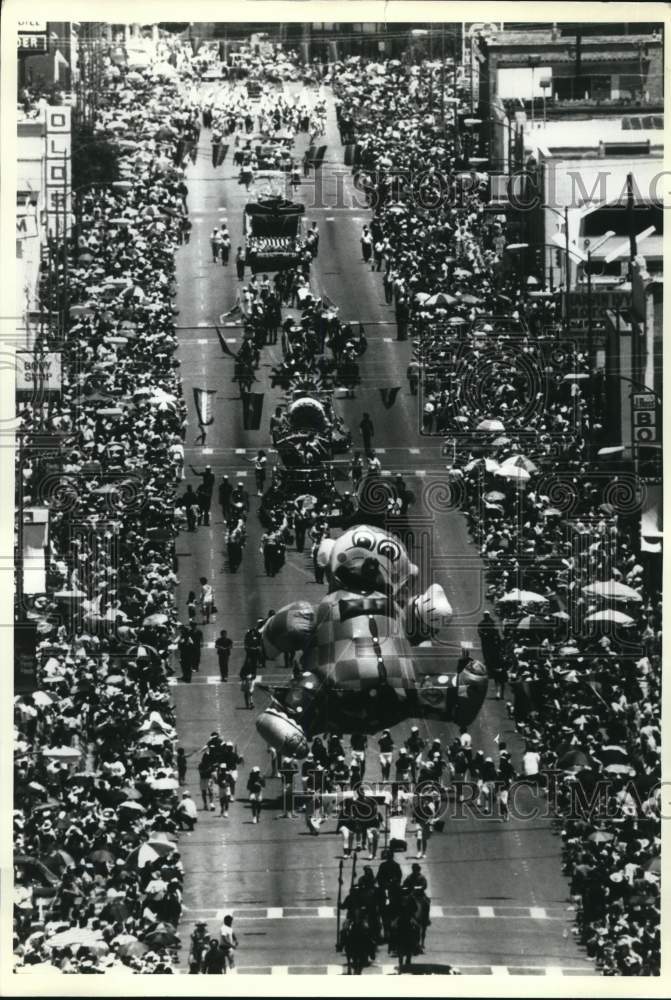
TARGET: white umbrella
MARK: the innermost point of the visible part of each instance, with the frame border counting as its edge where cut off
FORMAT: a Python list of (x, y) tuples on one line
[(61, 753), (520, 462), (513, 472), (42, 698), (612, 590), (610, 615), (518, 596), (490, 425)]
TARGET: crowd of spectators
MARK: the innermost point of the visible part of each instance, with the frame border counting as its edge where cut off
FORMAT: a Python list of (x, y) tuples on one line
[(579, 612), (98, 873)]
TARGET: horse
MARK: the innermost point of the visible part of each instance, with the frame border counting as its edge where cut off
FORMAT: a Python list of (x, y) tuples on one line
[(358, 942), (408, 930)]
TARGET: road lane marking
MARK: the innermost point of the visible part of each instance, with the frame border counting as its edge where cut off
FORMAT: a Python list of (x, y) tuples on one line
[(326, 911), (388, 969), (202, 340), (538, 913), (380, 451), (388, 340), (420, 472), (436, 911), (203, 322), (240, 451), (485, 911), (275, 912), (414, 451)]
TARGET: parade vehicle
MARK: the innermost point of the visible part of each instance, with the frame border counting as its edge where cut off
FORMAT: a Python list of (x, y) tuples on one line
[(272, 229), (305, 440)]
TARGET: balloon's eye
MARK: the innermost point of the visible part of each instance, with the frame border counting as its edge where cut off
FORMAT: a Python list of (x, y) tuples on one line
[(389, 550), (363, 541)]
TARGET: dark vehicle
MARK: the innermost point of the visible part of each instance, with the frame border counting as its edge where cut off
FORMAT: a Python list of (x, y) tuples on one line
[(272, 230)]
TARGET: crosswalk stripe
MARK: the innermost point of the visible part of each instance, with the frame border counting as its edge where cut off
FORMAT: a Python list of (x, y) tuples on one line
[(390, 969), (414, 451), (438, 912)]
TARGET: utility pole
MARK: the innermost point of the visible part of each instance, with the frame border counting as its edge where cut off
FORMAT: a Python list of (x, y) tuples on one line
[(568, 269)]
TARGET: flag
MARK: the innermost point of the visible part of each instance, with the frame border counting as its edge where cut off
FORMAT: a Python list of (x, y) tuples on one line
[(224, 346), (389, 396), (252, 408), (497, 738), (221, 155), (203, 400), (319, 157), (59, 60)]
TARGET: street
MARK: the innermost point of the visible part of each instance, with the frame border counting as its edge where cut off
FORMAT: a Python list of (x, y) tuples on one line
[(500, 903)]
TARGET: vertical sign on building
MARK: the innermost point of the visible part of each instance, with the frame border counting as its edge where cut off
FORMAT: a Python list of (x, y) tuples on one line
[(58, 188), (643, 420)]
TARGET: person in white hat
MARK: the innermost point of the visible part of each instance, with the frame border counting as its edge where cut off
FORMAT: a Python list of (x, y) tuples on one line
[(255, 785)]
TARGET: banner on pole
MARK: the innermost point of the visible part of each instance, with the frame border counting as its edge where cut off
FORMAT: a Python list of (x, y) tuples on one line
[(203, 398)]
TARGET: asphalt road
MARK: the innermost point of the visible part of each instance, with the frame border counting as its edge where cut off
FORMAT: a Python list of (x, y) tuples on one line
[(500, 901)]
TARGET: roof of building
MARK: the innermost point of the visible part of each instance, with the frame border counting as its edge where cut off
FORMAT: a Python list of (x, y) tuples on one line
[(532, 39)]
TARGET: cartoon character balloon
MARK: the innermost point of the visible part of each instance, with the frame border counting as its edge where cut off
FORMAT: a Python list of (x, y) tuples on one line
[(359, 672)]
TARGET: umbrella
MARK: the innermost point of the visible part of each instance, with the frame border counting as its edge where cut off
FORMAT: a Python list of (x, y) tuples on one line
[(520, 462), (149, 851), (561, 616), (461, 272), (513, 472), (490, 425), (153, 739), (116, 909), (132, 807), (457, 321), (610, 615), (470, 300), (42, 698), (576, 377), (575, 760), (156, 619), (133, 949), (102, 856), (531, 622), (75, 936), (601, 837), (163, 784), (518, 596), (620, 770), (440, 299), (499, 442), (494, 496), (612, 754), (57, 861), (551, 512), (162, 936), (612, 590), (654, 865)]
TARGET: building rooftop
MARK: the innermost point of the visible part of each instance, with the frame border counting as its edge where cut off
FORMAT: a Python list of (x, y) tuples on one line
[(533, 39)]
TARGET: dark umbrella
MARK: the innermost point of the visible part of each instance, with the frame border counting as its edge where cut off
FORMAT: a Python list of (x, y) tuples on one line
[(575, 760), (102, 856), (163, 936), (57, 861), (133, 949), (116, 909)]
